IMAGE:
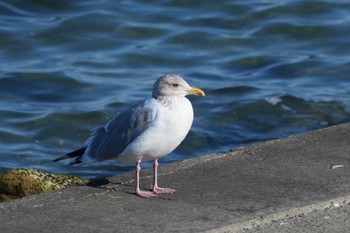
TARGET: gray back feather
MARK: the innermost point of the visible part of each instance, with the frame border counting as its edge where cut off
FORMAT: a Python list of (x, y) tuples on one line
[(109, 141)]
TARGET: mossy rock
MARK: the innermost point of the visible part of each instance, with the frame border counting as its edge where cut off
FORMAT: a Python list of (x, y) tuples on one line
[(23, 182)]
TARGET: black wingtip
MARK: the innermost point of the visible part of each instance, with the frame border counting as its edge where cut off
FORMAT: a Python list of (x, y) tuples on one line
[(77, 153), (61, 158)]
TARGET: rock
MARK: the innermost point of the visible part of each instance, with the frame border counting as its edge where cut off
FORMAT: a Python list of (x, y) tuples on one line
[(23, 182)]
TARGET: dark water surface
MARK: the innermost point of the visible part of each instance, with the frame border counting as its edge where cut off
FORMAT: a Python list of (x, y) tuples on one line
[(270, 68)]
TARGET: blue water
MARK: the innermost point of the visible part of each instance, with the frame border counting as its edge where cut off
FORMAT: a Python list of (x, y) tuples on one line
[(270, 68)]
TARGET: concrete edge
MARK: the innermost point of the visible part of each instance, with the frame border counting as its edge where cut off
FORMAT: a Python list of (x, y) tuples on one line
[(282, 215)]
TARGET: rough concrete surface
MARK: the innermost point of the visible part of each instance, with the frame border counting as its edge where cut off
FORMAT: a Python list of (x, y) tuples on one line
[(284, 185)]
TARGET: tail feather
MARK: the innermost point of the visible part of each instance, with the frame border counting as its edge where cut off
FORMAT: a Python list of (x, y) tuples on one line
[(77, 153), (76, 161)]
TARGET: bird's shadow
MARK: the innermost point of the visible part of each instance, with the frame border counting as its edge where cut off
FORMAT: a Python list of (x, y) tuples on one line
[(104, 183), (98, 182)]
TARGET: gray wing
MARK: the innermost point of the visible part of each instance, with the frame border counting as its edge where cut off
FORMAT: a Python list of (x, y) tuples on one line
[(109, 141)]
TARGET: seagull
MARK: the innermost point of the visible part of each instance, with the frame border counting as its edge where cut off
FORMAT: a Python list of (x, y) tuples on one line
[(146, 131)]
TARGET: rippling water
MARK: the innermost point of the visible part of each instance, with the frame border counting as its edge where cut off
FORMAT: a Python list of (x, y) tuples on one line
[(270, 68)]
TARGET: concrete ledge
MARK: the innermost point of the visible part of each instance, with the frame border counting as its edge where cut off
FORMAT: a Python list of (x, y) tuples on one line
[(249, 189)]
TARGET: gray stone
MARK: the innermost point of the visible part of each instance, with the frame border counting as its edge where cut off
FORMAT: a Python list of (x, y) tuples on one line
[(261, 187)]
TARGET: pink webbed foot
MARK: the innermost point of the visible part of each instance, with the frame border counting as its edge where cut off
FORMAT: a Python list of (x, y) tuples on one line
[(145, 194), (158, 190)]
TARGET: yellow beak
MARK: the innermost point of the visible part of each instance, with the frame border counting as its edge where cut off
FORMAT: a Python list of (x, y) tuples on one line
[(196, 91)]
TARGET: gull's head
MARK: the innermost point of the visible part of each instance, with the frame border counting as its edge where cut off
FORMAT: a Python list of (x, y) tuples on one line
[(174, 85)]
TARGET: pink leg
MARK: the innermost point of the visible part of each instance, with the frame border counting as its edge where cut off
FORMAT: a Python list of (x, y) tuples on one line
[(157, 189), (138, 192)]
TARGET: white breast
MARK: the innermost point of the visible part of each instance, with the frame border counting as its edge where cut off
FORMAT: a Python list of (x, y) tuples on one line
[(166, 132)]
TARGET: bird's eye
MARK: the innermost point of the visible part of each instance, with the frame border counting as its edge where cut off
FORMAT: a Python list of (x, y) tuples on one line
[(175, 85)]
